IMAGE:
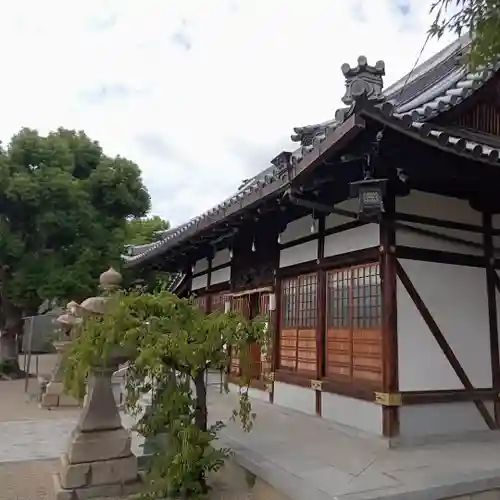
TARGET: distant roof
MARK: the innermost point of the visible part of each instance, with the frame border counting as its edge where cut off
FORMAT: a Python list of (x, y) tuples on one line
[(433, 87)]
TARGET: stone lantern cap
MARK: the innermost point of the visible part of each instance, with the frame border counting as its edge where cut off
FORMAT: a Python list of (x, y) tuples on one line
[(110, 279), (67, 320), (72, 307), (93, 305)]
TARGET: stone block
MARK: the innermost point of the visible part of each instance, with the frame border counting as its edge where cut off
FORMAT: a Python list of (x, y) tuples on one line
[(49, 400), (96, 446), (120, 470), (74, 475), (59, 492), (55, 388), (113, 491)]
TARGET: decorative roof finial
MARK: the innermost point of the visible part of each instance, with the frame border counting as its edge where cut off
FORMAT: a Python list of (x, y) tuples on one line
[(363, 80)]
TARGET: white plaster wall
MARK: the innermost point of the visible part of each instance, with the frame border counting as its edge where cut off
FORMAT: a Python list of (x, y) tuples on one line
[(334, 220), (356, 413), (295, 397), (199, 282), (200, 266), (220, 276), (221, 257), (298, 229), (441, 419), (456, 297), (303, 252), (438, 207), (409, 238), (358, 238)]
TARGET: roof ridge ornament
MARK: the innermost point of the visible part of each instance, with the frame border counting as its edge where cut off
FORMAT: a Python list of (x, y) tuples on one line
[(363, 80)]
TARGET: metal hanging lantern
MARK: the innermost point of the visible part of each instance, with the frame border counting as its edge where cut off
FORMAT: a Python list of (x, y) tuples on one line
[(370, 193)]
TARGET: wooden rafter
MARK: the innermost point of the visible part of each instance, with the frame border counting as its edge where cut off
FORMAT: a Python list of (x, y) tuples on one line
[(440, 339)]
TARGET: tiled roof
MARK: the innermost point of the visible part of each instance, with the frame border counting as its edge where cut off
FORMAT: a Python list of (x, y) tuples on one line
[(435, 86), (455, 140)]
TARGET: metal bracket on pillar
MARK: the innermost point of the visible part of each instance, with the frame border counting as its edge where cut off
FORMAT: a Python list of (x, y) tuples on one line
[(388, 399)]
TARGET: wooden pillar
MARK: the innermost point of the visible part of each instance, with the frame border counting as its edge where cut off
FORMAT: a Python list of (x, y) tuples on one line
[(492, 308), (321, 308), (209, 281), (275, 334), (390, 378)]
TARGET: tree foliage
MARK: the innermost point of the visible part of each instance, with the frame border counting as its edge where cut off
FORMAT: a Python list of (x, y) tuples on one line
[(141, 230), (63, 207), (481, 18), (169, 343)]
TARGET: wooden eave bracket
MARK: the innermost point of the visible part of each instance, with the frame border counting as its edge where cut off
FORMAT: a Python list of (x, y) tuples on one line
[(388, 399)]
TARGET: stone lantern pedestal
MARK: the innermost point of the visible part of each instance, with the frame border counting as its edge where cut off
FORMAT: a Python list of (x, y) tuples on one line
[(99, 462), (54, 394)]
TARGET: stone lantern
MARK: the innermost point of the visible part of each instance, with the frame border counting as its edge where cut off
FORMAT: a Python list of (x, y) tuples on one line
[(54, 394), (99, 462)]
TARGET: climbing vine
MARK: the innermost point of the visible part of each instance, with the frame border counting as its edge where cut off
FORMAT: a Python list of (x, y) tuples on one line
[(169, 344)]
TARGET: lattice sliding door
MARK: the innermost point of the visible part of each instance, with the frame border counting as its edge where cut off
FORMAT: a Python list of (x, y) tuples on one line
[(240, 305), (353, 324), (217, 301), (266, 354), (299, 306)]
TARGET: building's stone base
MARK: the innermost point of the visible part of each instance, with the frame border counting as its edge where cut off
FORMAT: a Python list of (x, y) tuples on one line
[(483, 495), (101, 491)]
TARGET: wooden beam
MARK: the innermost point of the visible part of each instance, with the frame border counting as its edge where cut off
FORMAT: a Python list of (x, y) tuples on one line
[(447, 396), (440, 339), (390, 377), (492, 308), (302, 201)]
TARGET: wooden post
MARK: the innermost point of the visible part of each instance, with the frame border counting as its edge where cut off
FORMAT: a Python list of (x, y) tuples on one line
[(321, 308), (275, 335), (390, 377), (492, 309)]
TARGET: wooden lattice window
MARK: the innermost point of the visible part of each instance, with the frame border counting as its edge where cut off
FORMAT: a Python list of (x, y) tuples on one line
[(200, 302), (263, 304), (353, 324), (217, 302), (299, 299)]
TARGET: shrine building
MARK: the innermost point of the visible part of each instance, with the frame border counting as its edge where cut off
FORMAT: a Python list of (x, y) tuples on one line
[(374, 249)]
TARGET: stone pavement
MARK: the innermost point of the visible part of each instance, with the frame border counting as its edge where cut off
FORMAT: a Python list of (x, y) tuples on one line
[(34, 440), (300, 455), (310, 458)]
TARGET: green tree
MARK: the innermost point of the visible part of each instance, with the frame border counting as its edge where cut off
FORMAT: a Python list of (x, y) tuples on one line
[(63, 211), (142, 229), (170, 344), (481, 18)]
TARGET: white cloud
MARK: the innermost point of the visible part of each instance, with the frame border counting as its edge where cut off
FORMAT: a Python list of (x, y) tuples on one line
[(201, 94)]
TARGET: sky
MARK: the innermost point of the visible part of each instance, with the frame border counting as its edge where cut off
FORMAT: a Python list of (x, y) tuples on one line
[(201, 94)]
